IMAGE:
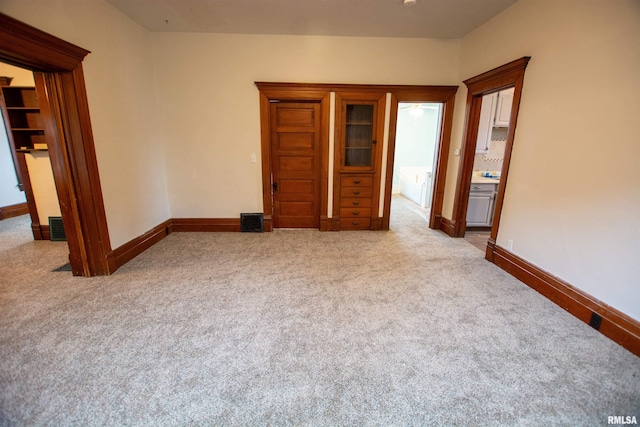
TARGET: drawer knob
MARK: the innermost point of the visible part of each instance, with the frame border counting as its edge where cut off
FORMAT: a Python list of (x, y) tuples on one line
[(356, 203), (356, 192), (356, 182), (354, 223), (356, 213)]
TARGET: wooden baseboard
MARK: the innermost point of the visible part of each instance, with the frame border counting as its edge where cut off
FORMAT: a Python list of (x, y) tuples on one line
[(446, 225), (125, 253), (37, 231), (268, 224), (610, 322), (205, 224), (12, 211), (377, 224), (45, 232), (325, 223), (135, 247)]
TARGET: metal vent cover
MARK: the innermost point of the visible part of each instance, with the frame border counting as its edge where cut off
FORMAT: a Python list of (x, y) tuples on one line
[(56, 229), (251, 222)]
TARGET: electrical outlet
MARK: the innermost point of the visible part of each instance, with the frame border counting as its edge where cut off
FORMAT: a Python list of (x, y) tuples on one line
[(509, 245), (253, 158)]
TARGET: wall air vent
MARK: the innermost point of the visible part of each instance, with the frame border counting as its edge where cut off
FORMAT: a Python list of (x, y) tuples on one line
[(56, 229), (251, 222), (596, 321)]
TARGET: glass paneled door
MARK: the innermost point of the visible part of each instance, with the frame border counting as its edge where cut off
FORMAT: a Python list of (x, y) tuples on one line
[(359, 135)]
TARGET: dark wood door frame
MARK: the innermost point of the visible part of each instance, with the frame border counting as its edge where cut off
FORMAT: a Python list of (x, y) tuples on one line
[(276, 92), (508, 75), (437, 94), (65, 113)]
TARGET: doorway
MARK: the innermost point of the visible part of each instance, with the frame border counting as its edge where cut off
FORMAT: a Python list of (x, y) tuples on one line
[(26, 145), (508, 76), (67, 129), (417, 132), (493, 129)]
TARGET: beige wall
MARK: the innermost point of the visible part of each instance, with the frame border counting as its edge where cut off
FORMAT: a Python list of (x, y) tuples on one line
[(21, 77), (210, 111), (43, 185), (572, 205), (121, 92)]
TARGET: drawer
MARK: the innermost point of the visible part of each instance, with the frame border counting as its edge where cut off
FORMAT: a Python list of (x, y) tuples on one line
[(356, 212), (356, 192), (482, 188), (356, 181), (348, 202), (355, 223)]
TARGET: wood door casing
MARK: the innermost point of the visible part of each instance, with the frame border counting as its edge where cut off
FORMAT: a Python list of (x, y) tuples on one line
[(295, 144), (503, 77), (72, 152)]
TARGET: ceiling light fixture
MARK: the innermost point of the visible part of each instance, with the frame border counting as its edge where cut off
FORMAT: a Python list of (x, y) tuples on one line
[(409, 3), (416, 110)]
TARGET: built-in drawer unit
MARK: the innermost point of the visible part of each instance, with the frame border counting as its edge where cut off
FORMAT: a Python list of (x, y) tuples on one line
[(356, 194), (356, 181), (355, 223), (355, 212), (349, 202)]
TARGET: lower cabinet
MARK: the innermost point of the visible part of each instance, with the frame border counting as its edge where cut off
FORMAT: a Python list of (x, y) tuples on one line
[(356, 199), (481, 205)]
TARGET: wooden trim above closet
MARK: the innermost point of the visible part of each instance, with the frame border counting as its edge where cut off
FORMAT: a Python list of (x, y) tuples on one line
[(28, 47)]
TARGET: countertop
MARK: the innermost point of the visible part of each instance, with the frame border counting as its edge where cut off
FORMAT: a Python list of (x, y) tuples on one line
[(484, 180)]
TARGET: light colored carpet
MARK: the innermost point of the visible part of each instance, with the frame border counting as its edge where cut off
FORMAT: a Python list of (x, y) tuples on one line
[(401, 328)]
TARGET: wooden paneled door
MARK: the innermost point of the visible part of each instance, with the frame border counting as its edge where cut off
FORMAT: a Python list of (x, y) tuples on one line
[(295, 156)]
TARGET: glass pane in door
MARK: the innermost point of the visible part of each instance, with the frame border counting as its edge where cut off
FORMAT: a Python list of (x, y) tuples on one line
[(359, 135)]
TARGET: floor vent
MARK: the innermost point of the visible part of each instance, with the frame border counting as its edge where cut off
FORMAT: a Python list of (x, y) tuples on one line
[(596, 321), (56, 229), (251, 222)]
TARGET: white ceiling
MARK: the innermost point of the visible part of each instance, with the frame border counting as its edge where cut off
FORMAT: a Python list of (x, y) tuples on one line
[(444, 19)]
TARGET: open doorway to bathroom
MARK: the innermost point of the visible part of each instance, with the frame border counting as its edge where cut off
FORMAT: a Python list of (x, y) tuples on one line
[(417, 134)]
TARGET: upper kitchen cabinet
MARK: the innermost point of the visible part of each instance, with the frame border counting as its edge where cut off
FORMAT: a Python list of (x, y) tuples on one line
[(503, 109), (494, 113), (485, 126)]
